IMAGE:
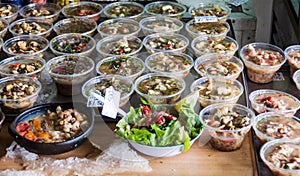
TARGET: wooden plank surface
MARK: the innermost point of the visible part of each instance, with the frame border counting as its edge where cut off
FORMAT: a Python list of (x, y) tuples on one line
[(197, 161)]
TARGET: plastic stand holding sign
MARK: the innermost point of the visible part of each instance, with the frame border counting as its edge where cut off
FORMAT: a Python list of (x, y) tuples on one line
[(205, 19), (96, 99)]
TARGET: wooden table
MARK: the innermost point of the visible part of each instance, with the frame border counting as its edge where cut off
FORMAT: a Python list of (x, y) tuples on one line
[(197, 161)]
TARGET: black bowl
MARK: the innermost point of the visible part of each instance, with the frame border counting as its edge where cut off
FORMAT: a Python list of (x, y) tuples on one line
[(57, 147)]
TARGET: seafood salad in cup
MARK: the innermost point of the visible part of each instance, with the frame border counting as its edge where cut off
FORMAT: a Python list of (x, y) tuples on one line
[(119, 83), (119, 27), (292, 53), (165, 42), (262, 61), (119, 45), (216, 30), (217, 90), (282, 156), (159, 24), (165, 8), (275, 125), (129, 66), (218, 65), (22, 65), (159, 88), (18, 93), (266, 100), (205, 44), (170, 63), (227, 124), (124, 9)]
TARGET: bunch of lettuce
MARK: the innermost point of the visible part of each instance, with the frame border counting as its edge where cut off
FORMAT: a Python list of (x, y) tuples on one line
[(185, 127)]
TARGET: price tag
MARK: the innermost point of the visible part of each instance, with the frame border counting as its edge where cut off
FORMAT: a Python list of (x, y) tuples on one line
[(95, 99), (111, 103), (205, 19)]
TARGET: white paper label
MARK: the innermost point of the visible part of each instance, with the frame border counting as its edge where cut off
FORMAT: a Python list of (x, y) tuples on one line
[(111, 103), (205, 19)]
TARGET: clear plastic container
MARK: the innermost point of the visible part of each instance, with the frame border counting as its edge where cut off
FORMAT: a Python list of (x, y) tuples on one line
[(3, 27), (9, 12), (75, 25), (26, 45), (70, 73), (215, 30), (220, 11), (267, 100), (170, 63), (158, 24), (292, 54), (262, 60), (218, 65), (15, 105), (31, 66), (129, 66), (227, 124), (207, 44), (46, 11), (83, 44), (119, 45), (165, 9), (159, 88), (83, 9), (281, 147), (217, 90), (120, 83), (296, 79), (119, 26), (273, 125), (22, 27), (160, 42), (117, 10)]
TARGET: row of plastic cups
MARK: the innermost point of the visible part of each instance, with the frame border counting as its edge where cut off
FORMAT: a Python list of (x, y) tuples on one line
[(155, 8), (84, 45)]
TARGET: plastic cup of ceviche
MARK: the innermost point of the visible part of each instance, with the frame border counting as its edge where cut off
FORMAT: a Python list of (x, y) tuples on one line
[(227, 125), (296, 79), (119, 26), (208, 44), (26, 45), (217, 90), (292, 54), (31, 66), (159, 88), (119, 83), (70, 72), (262, 60), (119, 45), (160, 42), (281, 156), (165, 9), (129, 66), (275, 125), (18, 93), (159, 24), (220, 11), (218, 65), (170, 63), (30, 26), (268, 100)]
